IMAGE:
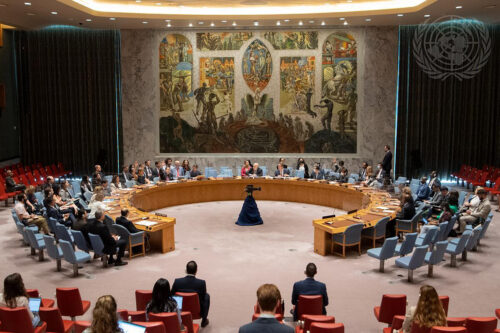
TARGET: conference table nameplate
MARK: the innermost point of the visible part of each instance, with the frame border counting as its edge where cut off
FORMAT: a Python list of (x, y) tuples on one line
[(370, 205)]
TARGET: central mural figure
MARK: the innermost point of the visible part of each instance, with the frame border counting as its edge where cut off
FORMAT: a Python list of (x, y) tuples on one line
[(257, 65)]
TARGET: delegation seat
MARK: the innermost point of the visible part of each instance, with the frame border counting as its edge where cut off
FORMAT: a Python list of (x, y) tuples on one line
[(187, 321), (169, 319), (350, 237), (415, 261), (81, 325), (455, 249), (309, 305), (435, 257), (481, 324), (327, 328), (408, 226), (444, 329), (46, 302), (151, 327), (310, 319), (17, 320), (455, 321), (407, 245), (445, 302), (390, 306), (385, 252), (376, 232), (190, 303), (55, 323), (70, 302), (143, 297), (73, 257)]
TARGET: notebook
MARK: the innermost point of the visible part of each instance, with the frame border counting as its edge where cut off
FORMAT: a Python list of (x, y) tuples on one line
[(35, 304), (178, 299), (131, 328)]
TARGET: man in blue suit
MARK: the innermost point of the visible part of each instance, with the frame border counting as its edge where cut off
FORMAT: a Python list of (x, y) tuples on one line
[(423, 191), (177, 170), (309, 286), (268, 297)]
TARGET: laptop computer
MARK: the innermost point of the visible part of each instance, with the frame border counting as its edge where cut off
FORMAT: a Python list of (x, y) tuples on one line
[(34, 304), (131, 328), (425, 220), (178, 299)]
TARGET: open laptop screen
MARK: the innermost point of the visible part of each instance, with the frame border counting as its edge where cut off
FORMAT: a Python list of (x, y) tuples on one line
[(131, 328), (178, 299), (35, 304)]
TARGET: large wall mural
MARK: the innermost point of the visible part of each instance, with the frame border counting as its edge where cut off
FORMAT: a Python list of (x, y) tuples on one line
[(212, 41), (243, 108), (290, 40)]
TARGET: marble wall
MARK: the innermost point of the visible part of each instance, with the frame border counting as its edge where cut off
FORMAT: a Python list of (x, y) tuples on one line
[(377, 66)]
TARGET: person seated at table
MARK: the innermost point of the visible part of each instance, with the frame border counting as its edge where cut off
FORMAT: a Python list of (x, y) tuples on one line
[(281, 171), (429, 312), (141, 177), (166, 175), (343, 177), (63, 216), (11, 185), (194, 171), (379, 177), (96, 179), (317, 173), (96, 226), (369, 176), (27, 218), (125, 176), (309, 286), (115, 185), (185, 166), (423, 191), (407, 208), (255, 171), (362, 171), (104, 316), (132, 170), (177, 170), (282, 161), (15, 296), (155, 172), (62, 204), (301, 165), (162, 300), (247, 165), (97, 204), (124, 222), (268, 300)]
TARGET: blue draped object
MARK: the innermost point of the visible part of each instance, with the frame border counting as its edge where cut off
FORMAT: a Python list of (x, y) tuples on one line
[(249, 214)]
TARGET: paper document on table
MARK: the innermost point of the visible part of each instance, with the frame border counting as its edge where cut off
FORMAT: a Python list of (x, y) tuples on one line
[(146, 223), (381, 207)]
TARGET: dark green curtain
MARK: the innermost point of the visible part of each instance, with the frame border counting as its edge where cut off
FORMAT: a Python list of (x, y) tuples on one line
[(70, 97), (442, 124)]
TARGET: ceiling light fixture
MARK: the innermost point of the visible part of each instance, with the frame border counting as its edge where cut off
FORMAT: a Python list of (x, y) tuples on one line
[(311, 21), (278, 23), (300, 23), (342, 18), (255, 23), (190, 24), (144, 22), (201, 22), (53, 13), (27, 3), (167, 20), (458, 7), (322, 22), (234, 24), (287, 20), (224, 21)]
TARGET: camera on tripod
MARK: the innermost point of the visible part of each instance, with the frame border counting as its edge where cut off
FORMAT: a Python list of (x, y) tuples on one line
[(250, 189)]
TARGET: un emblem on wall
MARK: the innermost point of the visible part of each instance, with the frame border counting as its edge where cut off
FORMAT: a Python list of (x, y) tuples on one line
[(452, 46)]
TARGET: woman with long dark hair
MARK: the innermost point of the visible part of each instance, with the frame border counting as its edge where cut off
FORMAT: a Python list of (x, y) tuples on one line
[(15, 296), (104, 316), (247, 165), (429, 311), (162, 300)]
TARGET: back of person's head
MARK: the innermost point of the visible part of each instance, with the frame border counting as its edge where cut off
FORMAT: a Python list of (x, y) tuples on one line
[(369, 170), (161, 294), (311, 270), (30, 189), (429, 311), (51, 200), (99, 196), (341, 163), (47, 191), (115, 179), (443, 188), (124, 212), (482, 191), (191, 267), (56, 189), (82, 214), (104, 317), (99, 214), (13, 287), (436, 187), (20, 197), (98, 189), (104, 182), (423, 180), (406, 198), (268, 296), (407, 190)]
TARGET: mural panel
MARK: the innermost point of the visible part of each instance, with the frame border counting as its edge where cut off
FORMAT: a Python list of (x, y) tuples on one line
[(257, 65), (215, 41), (293, 40), (296, 85)]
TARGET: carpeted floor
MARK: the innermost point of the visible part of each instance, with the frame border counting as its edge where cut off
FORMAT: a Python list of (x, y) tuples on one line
[(235, 260)]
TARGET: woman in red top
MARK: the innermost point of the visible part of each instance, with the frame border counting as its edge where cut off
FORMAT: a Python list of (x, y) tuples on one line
[(246, 167)]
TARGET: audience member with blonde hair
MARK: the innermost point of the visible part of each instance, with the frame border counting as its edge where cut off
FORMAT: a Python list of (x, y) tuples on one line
[(104, 316), (429, 311), (97, 204)]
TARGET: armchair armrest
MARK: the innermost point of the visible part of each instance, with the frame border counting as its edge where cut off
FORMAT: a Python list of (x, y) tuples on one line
[(137, 238), (397, 322)]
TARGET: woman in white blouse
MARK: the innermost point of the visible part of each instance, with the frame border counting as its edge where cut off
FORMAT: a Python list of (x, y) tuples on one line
[(97, 204), (14, 296), (115, 184)]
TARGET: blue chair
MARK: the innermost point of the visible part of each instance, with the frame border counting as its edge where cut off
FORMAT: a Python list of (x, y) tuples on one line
[(51, 222), (62, 233), (350, 237), (98, 246), (351, 180), (80, 241), (407, 245), (73, 257), (461, 198), (39, 197), (483, 230), (413, 262), (134, 239), (156, 180), (21, 230), (354, 176), (400, 180), (299, 174), (264, 170), (75, 185), (385, 252), (435, 257), (83, 203), (425, 239), (440, 235), (450, 226), (128, 184), (36, 244), (377, 231), (109, 178), (88, 195), (408, 225), (456, 248), (53, 250), (415, 182), (472, 242)]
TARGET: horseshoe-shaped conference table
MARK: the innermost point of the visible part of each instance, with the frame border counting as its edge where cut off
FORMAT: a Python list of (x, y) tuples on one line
[(367, 205)]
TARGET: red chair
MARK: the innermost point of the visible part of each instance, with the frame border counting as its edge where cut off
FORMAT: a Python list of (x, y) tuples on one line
[(39, 178), (187, 321), (416, 328), (497, 312), (18, 320), (169, 319), (481, 180), (151, 327), (137, 315), (481, 324), (55, 323), (81, 325), (397, 324), (142, 298), (46, 302), (32, 179), (495, 189), (445, 302), (122, 314), (455, 321), (391, 305), (443, 329), (191, 303), (310, 319), (278, 316), (309, 305), (327, 328), (3, 192), (70, 302), (61, 168)]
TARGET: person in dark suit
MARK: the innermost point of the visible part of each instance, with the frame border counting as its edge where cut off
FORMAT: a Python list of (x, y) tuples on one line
[(268, 299), (190, 284), (309, 286), (194, 171), (96, 226), (125, 176), (362, 172), (124, 222), (387, 162), (317, 173), (166, 175), (155, 172), (148, 172), (255, 171), (10, 183), (65, 217), (281, 171)]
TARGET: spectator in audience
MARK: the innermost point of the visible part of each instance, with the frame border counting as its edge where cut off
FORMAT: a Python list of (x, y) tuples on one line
[(423, 191), (162, 300), (124, 222), (255, 171), (15, 296), (317, 173), (49, 182), (281, 171), (115, 184), (156, 170), (429, 311), (362, 171), (141, 177), (60, 202), (476, 215), (148, 172), (245, 169), (177, 171), (106, 188), (97, 204), (85, 186), (301, 165), (437, 198), (104, 316), (166, 175), (407, 208), (10, 184), (268, 299), (194, 172), (97, 190), (473, 200), (98, 170), (64, 191), (63, 216), (33, 201), (444, 217), (81, 222), (47, 192), (125, 176), (190, 283), (309, 286), (434, 180), (111, 242), (185, 166), (27, 218)]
